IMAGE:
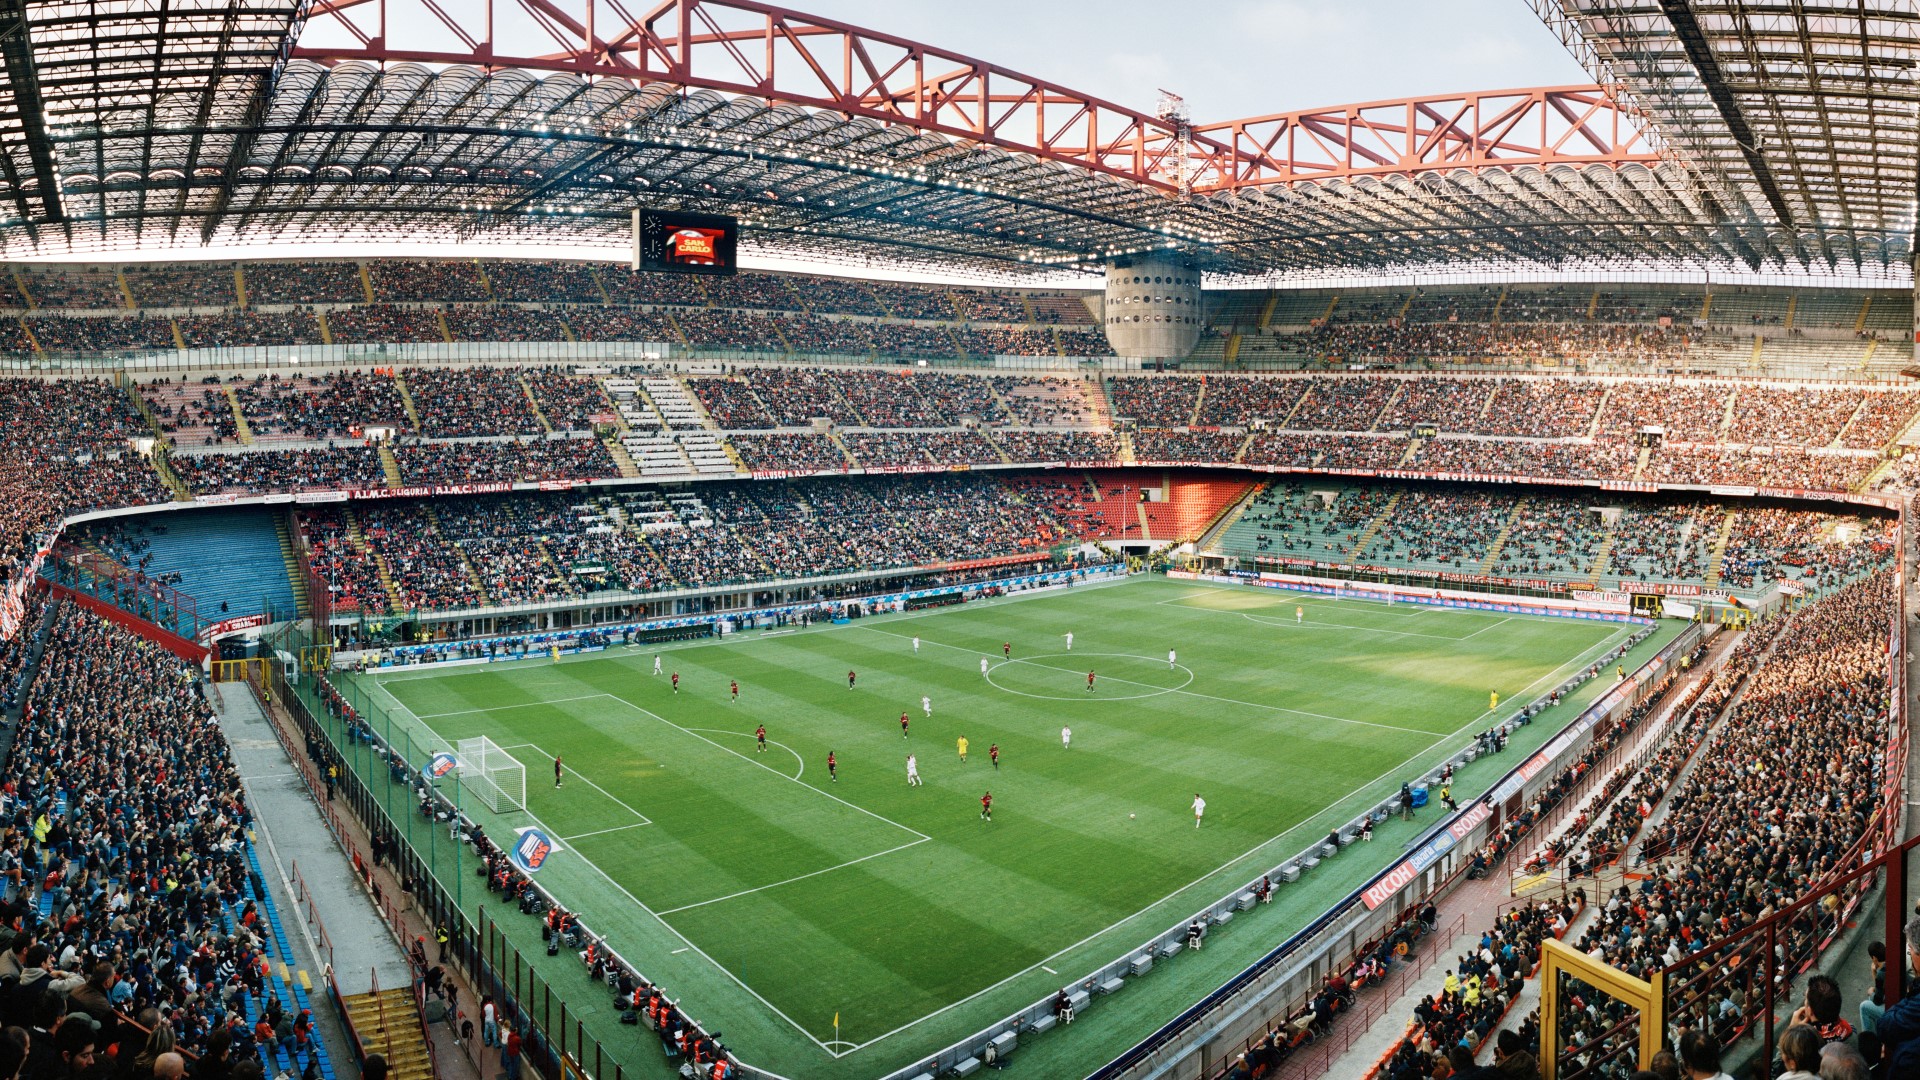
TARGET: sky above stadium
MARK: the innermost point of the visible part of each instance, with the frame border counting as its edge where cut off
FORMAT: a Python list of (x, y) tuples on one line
[(1234, 58)]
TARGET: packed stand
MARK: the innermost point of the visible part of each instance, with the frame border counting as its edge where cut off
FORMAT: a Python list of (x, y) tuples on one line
[(426, 281), (1238, 400), (569, 402), (465, 402), (383, 324), (1063, 446), (119, 333), (139, 826), (919, 449), (332, 468), (1601, 459), (340, 404), (350, 573), (331, 281), (155, 285), (248, 329), (543, 282), (1448, 404), (1156, 402), (427, 572), (51, 287), (1541, 408), (804, 453), (490, 322), (504, 461), (1343, 404), (1187, 446)]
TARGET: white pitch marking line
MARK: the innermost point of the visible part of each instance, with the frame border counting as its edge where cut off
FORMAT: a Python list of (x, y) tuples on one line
[(677, 952), (644, 819), (743, 757), (1048, 970), (1484, 629), (603, 832), (1276, 620), (497, 708), (1189, 693), (1222, 868), (690, 946), (1574, 663), (801, 877), (770, 742)]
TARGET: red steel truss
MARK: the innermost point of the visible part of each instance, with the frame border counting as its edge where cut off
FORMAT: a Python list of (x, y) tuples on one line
[(747, 48)]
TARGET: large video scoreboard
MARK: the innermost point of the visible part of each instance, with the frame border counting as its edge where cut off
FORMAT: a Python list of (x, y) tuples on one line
[(675, 242)]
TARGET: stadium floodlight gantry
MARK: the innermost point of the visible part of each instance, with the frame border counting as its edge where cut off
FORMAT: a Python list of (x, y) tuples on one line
[(551, 119)]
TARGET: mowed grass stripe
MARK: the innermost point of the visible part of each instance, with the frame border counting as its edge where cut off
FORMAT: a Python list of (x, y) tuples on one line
[(895, 937)]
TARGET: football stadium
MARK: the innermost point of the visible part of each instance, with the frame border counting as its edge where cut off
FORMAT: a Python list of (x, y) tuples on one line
[(552, 539)]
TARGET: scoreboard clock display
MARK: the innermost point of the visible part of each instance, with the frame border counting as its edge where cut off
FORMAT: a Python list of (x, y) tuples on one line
[(673, 242)]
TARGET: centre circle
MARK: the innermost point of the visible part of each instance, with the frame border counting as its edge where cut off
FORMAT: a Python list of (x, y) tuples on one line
[(1128, 676)]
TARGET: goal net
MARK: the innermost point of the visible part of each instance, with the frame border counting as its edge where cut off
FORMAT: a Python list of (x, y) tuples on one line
[(494, 776)]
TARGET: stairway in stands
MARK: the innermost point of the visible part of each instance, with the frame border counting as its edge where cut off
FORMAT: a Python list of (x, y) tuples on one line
[(290, 558), (1719, 557), (388, 1024)]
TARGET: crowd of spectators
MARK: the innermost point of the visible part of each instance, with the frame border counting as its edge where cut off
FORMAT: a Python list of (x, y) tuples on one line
[(1780, 468), (380, 324), (1600, 459), (1309, 450), (1448, 404), (351, 575), (340, 404), (1157, 401), (531, 282), (1238, 400), (1343, 404), (130, 892), (159, 285), (1194, 446), (426, 281), (910, 341), (543, 546), (805, 452), (464, 402), (1047, 446), (1540, 408), (325, 281), (427, 572), (523, 460), (569, 402), (248, 329), (492, 322), (329, 468), (113, 333), (53, 287), (731, 402), (920, 449)]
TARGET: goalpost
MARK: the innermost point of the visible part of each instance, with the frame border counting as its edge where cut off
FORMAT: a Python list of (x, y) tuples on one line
[(492, 775)]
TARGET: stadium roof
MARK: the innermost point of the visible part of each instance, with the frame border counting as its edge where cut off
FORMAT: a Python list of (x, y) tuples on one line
[(132, 125)]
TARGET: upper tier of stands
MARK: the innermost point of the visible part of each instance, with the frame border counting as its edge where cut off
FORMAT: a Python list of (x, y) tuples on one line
[(1617, 327)]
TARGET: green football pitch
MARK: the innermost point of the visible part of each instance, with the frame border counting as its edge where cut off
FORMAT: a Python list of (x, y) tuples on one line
[(775, 898)]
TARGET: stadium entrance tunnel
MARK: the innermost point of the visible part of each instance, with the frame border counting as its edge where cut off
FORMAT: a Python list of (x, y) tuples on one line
[(1062, 676)]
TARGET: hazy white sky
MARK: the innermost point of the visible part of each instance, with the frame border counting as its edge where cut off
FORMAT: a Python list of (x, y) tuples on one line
[(1233, 58)]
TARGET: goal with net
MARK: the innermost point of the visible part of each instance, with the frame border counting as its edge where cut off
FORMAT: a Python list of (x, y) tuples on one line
[(494, 776)]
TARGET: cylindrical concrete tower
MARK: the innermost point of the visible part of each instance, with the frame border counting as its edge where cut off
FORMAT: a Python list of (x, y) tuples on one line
[(1152, 308)]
